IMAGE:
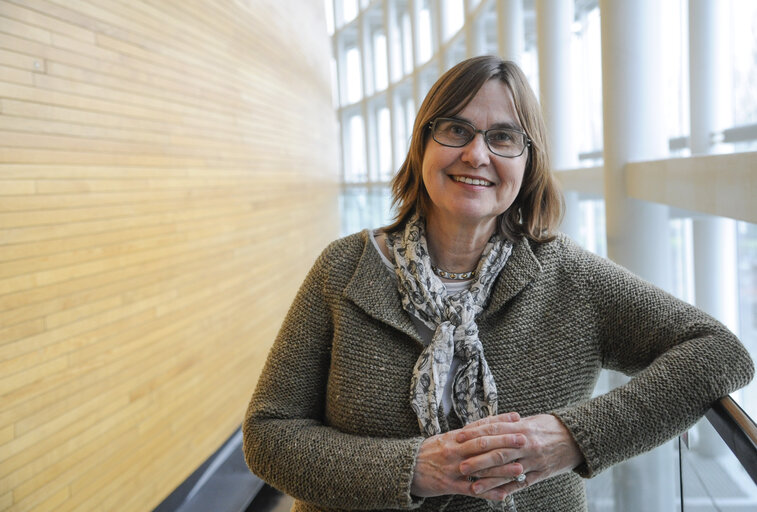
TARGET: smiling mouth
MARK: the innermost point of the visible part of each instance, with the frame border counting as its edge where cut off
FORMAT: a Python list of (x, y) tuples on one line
[(472, 181)]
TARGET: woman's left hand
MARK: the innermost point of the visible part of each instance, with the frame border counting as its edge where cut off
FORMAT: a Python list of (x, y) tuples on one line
[(549, 450)]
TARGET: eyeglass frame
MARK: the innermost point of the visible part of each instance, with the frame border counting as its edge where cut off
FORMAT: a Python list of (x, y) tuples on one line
[(476, 131)]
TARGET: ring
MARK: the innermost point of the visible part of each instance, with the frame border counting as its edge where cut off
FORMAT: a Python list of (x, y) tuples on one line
[(520, 478)]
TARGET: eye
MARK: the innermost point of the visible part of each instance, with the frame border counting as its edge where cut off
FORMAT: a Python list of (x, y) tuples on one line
[(501, 137), (457, 130)]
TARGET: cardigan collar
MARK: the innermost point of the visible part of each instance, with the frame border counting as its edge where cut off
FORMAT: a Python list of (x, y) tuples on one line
[(373, 287), (521, 268)]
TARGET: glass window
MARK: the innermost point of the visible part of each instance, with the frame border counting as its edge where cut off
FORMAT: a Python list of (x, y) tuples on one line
[(365, 208), (454, 17), (530, 65), (356, 169), (401, 134), (407, 44), (384, 131), (455, 52), (427, 79), (424, 34), (354, 75), (380, 61), (682, 254), (329, 8), (489, 31), (409, 117), (334, 83), (349, 10), (592, 234), (747, 264), (675, 66), (395, 52), (743, 32), (587, 83)]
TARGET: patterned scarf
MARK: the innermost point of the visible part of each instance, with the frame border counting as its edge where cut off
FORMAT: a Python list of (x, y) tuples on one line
[(453, 319)]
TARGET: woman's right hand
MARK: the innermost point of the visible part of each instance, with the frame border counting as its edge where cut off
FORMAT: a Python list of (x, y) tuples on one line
[(437, 467)]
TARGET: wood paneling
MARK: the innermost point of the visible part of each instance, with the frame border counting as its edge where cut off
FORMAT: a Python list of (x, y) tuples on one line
[(168, 173)]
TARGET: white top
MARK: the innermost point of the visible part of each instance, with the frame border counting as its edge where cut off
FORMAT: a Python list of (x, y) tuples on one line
[(425, 333)]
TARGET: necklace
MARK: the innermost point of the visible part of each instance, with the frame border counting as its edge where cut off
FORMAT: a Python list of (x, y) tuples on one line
[(455, 276)]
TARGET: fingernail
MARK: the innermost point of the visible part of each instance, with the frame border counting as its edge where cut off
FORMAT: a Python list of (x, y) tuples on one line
[(464, 469)]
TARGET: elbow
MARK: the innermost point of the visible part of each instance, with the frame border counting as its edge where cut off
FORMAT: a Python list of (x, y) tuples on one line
[(251, 440), (737, 364)]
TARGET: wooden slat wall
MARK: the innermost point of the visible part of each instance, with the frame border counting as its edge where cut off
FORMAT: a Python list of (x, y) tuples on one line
[(168, 173)]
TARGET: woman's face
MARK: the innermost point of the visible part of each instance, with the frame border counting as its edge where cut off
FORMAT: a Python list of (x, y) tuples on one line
[(447, 172)]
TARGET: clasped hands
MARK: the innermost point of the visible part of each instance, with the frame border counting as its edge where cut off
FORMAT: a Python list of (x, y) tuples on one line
[(484, 458)]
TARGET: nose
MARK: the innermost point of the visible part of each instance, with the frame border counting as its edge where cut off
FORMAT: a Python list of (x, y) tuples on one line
[(476, 152)]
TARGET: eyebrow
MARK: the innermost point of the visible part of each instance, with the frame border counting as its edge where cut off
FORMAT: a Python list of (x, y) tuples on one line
[(495, 126)]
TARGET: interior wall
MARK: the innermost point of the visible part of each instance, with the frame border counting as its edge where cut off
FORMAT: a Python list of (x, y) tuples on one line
[(168, 173)]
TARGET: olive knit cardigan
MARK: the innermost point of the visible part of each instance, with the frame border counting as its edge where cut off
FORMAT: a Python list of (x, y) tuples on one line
[(330, 422)]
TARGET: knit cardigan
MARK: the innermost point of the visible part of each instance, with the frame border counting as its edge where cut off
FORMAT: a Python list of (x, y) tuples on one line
[(330, 421)]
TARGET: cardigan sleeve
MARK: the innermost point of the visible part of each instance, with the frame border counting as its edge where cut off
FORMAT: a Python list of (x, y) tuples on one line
[(681, 360), (286, 442)]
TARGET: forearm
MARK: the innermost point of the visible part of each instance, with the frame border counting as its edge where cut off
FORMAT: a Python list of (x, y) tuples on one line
[(680, 358), (657, 404), (321, 465)]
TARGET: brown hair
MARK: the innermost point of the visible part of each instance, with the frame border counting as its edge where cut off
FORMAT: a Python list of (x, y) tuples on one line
[(538, 207)]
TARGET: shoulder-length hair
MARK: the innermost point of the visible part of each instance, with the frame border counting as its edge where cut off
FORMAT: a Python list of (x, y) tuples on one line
[(538, 207)]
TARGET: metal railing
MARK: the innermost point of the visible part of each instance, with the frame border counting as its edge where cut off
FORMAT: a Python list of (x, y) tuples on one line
[(738, 431)]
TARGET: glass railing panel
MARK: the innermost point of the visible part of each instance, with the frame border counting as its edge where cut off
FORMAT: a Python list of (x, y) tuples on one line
[(718, 462)]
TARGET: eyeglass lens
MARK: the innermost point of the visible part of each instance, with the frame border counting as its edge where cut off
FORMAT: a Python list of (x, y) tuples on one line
[(454, 133)]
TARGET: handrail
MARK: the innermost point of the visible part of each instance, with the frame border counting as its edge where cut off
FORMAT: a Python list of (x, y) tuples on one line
[(738, 431)]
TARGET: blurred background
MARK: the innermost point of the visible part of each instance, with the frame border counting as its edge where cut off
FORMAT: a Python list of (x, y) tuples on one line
[(169, 170)]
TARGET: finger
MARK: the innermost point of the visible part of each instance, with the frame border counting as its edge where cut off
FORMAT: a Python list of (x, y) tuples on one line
[(512, 486), (507, 417), (487, 442), (490, 459), (483, 485), (487, 427), (508, 471)]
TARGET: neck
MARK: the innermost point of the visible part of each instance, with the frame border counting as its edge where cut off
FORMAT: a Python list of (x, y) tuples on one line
[(456, 247)]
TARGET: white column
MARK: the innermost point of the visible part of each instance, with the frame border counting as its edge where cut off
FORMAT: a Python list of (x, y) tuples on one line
[(366, 54), (554, 19), (341, 67), (469, 29), (637, 231), (479, 35), (393, 41), (715, 258), (369, 119), (346, 146), (338, 14), (390, 17), (510, 38), (414, 8), (436, 12), (714, 254)]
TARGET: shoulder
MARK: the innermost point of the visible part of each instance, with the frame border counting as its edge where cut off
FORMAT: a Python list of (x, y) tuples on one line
[(564, 260), (564, 252), (339, 261)]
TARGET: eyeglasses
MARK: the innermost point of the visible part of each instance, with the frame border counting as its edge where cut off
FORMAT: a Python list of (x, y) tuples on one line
[(455, 133)]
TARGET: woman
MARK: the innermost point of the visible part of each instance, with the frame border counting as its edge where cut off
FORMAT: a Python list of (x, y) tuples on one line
[(447, 361)]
